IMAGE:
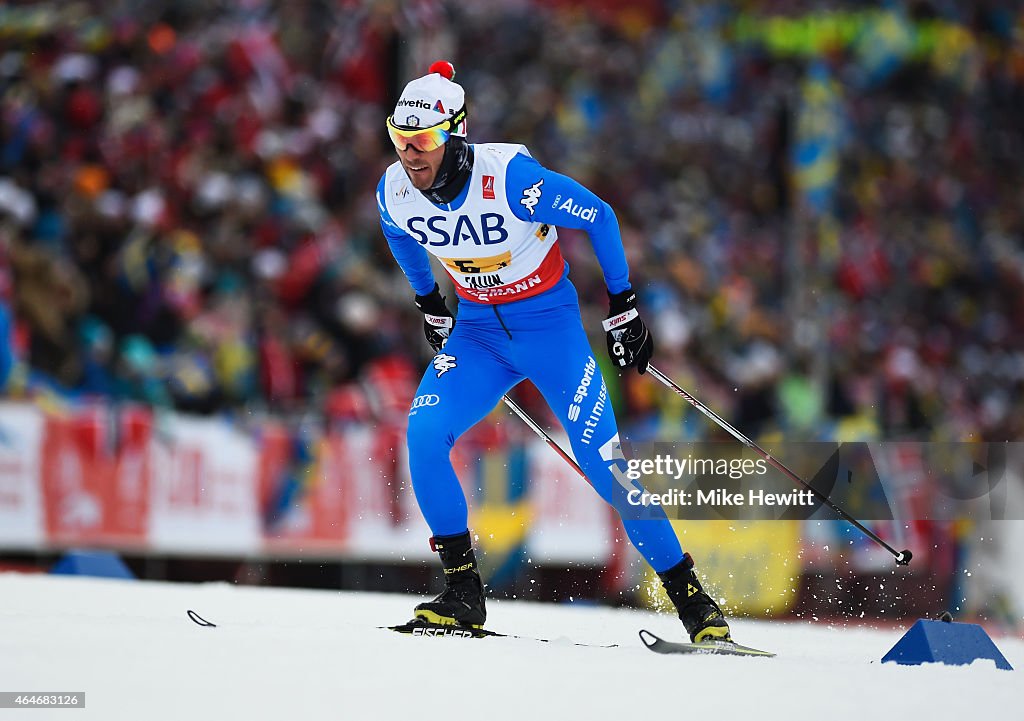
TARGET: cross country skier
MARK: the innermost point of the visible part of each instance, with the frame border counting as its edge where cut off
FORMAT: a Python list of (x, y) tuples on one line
[(489, 213)]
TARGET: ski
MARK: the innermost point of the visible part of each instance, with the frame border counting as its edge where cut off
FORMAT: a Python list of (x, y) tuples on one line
[(418, 627), (722, 648)]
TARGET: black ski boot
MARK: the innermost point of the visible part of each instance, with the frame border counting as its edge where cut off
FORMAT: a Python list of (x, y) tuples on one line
[(701, 616), (462, 601)]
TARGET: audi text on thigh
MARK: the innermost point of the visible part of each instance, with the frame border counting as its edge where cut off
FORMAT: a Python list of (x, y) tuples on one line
[(425, 401)]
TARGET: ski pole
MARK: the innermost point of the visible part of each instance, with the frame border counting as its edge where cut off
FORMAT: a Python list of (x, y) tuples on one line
[(544, 436), (902, 558)]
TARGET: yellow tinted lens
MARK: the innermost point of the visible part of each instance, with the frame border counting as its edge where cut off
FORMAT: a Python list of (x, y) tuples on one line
[(423, 140)]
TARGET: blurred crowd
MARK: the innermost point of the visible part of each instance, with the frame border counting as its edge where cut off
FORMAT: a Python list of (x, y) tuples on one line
[(822, 202)]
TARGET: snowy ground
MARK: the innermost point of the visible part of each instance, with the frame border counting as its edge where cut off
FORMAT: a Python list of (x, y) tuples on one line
[(284, 654)]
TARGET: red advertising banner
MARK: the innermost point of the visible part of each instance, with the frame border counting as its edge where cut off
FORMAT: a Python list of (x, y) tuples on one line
[(101, 475), (94, 475), (128, 509), (74, 474)]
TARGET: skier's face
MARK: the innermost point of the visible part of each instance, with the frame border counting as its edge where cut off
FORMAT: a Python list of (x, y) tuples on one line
[(421, 167)]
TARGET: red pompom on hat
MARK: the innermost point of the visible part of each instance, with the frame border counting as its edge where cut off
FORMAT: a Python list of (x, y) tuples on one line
[(443, 68)]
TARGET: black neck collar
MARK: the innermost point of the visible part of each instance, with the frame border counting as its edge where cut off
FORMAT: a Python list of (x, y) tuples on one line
[(456, 167)]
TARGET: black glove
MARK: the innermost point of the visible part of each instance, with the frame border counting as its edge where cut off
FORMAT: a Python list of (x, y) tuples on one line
[(629, 342), (438, 321)]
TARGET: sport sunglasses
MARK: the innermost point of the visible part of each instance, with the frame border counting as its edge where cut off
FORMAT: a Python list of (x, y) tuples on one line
[(425, 139)]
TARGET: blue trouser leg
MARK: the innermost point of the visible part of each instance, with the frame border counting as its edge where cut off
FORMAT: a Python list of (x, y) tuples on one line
[(445, 407), (557, 357)]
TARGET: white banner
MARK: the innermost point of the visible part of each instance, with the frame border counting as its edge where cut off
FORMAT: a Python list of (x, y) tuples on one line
[(384, 522), (203, 493), (21, 504), (570, 520)]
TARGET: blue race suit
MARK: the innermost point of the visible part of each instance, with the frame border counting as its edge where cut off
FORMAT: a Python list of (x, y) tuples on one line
[(512, 326)]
